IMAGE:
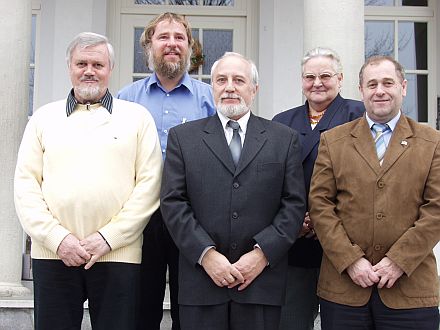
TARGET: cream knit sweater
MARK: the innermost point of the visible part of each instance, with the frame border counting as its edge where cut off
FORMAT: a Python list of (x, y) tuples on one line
[(91, 171)]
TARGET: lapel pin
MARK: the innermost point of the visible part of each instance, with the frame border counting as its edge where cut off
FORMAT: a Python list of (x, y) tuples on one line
[(404, 143)]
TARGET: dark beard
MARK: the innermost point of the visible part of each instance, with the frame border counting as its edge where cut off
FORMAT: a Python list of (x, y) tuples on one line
[(170, 70)]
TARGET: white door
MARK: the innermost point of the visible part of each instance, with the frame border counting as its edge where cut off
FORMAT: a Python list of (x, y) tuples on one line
[(215, 34)]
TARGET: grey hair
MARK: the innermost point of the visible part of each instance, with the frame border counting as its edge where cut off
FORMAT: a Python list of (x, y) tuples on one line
[(254, 71), (323, 52), (90, 39)]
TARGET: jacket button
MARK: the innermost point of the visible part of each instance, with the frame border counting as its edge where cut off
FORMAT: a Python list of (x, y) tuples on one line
[(377, 247), (235, 185), (234, 215), (233, 246), (381, 184), (380, 216)]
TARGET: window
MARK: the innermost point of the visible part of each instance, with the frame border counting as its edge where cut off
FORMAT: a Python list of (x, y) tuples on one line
[(209, 45), (414, 3), (404, 34)]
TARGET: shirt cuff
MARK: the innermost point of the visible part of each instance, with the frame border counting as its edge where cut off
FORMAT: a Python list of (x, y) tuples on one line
[(204, 252)]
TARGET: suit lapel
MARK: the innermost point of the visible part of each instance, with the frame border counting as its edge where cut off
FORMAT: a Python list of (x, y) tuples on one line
[(215, 139), (254, 141), (396, 148), (364, 144), (312, 137)]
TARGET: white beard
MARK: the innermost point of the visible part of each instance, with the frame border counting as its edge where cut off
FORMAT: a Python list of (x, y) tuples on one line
[(89, 93), (233, 110)]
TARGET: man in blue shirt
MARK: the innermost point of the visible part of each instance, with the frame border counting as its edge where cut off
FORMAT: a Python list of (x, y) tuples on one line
[(172, 97)]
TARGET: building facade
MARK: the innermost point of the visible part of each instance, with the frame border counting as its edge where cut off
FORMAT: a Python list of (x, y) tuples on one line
[(274, 33)]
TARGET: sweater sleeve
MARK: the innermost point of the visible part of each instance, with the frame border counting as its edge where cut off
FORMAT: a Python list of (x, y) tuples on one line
[(127, 225), (32, 210)]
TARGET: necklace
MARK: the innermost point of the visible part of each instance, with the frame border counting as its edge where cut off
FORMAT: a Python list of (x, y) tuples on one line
[(314, 119)]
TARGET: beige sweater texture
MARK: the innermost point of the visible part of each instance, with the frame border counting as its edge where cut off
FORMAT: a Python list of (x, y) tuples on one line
[(92, 171)]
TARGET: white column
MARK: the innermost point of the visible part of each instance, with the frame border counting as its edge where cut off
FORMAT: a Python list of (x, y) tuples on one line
[(280, 53), (14, 72), (338, 25)]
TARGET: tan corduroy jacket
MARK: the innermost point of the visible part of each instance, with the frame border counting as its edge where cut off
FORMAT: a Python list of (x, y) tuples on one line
[(362, 209)]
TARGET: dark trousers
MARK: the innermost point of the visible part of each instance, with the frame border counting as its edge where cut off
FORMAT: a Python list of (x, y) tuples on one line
[(376, 316), (158, 252), (230, 316), (60, 292)]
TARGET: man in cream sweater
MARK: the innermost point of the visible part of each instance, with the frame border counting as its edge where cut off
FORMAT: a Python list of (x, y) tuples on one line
[(86, 183)]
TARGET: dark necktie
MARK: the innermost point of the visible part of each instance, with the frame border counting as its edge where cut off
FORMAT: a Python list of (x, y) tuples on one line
[(235, 145), (379, 140)]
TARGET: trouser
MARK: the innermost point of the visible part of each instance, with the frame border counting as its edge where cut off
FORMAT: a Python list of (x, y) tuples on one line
[(301, 306), (230, 316), (158, 252), (376, 316), (60, 292)]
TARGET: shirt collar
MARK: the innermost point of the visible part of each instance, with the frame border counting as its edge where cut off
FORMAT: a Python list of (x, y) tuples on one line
[(391, 124), (106, 101), (185, 81), (243, 121)]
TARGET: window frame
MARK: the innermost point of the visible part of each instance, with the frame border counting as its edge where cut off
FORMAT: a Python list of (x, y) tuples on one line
[(398, 14)]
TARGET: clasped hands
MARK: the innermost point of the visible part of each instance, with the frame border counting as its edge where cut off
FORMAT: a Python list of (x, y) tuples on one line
[(75, 252), (242, 272), (307, 229), (384, 273)]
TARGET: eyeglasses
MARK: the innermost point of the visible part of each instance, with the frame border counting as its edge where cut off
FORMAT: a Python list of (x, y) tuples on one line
[(323, 77)]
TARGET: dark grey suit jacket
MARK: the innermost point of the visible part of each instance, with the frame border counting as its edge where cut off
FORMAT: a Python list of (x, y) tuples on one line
[(205, 202)]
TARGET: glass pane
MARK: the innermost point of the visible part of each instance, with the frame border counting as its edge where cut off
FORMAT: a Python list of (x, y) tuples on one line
[(139, 61), (415, 104), (379, 38), (418, 3), (207, 80), (195, 34), (413, 45), (31, 91), (197, 56), (184, 2), (33, 33), (218, 2), (215, 44), (379, 2), (149, 2)]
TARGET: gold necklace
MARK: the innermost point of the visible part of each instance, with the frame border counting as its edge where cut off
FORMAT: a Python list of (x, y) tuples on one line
[(314, 119)]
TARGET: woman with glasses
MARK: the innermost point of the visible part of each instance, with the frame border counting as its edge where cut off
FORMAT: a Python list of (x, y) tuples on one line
[(324, 109)]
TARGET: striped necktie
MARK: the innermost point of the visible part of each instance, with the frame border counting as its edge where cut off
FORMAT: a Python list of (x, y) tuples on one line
[(379, 140), (235, 145)]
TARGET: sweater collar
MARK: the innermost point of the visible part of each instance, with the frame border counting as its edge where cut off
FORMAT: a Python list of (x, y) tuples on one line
[(106, 101)]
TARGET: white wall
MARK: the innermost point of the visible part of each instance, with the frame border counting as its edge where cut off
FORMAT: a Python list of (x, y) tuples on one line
[(280, 53), (60, 21)]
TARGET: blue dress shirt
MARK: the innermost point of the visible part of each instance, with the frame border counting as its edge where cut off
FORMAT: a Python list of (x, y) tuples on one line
[(191, 99), (391, 124)]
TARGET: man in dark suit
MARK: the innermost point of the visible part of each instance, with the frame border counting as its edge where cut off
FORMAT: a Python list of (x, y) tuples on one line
[(233, 213), (375, 200), (324, 109)]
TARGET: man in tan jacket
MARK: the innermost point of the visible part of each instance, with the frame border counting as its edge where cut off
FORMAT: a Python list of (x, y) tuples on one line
[(375, 203)]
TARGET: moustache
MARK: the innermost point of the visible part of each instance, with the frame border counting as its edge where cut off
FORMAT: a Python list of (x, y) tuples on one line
[(230, 96), (170, 50), (88, 78)]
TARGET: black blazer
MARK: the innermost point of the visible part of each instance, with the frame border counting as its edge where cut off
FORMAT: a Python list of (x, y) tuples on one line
[(205, 202), (308, 252)]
